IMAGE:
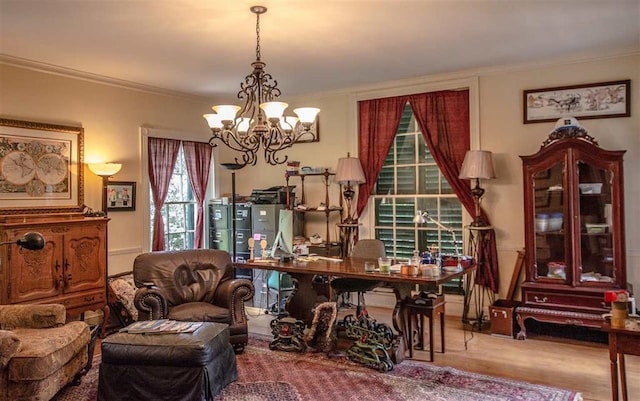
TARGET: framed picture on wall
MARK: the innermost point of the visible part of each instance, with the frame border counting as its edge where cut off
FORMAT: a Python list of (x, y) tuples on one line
[(598, 100), (41, 168), (121, 196)]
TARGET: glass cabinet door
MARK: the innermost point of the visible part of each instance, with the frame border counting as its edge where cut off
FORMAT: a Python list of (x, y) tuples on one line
[(551, 251), (596, 248)]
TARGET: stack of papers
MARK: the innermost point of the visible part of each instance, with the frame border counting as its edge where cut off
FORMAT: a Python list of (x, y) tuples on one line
[(162, 326)]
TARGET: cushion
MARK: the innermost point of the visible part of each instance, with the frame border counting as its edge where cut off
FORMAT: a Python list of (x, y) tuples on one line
[(184, 276), (200, 312), (32, 316), (45, 351), (125, 290)]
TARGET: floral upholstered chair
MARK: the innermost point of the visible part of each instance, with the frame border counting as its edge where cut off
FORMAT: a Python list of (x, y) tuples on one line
[(39, 352), (122, 290)]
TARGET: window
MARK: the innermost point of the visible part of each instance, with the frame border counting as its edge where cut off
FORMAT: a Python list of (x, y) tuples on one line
[(410, 180), (179, 210)]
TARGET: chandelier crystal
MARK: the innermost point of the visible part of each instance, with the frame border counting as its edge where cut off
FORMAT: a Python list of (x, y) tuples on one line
[(260, 122)]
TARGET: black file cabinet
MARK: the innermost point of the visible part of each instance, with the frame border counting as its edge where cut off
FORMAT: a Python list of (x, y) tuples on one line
[(221, 231)]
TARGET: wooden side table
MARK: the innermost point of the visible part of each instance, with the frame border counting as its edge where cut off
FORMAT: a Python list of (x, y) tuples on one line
[(621, 342), (418, 308)]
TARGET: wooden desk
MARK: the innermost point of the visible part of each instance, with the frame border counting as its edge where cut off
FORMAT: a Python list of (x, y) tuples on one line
[(302, 301), (621, 341)]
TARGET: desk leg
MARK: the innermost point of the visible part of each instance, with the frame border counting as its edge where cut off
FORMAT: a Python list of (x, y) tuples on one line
[(613, 356), (401, 318), (303, 298), (623, 376)]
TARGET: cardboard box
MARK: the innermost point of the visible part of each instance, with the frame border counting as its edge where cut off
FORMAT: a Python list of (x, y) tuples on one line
[(502, 315)]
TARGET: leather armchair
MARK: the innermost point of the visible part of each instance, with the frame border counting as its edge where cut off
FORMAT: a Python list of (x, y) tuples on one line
[(193, 285), (39, 353)]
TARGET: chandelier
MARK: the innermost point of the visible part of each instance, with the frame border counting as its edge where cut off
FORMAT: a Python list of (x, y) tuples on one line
[(260, 122)]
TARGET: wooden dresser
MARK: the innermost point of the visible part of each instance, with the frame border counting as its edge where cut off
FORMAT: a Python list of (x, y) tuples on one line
[(70, 270)]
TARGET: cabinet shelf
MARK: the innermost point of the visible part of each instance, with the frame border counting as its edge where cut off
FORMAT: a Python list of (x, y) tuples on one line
[(316, 210), (328, 212)]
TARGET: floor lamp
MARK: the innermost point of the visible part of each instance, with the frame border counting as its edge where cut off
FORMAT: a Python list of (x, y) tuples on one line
[(477, 165), (349, 173), (106, 171), (233, 167)]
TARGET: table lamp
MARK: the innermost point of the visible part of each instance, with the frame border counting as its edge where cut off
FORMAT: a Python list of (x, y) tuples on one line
[(348, 173), (477, 165), (32, 241), (422, 217), (105, 170)]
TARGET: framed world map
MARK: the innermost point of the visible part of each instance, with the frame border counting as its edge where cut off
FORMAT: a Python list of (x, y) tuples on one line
[(40, 167)]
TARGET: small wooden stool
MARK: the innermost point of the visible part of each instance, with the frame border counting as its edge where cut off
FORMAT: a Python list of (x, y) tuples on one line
[(418, 308)]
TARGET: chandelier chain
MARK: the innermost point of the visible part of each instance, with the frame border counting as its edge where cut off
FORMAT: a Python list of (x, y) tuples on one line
[(258, 36)]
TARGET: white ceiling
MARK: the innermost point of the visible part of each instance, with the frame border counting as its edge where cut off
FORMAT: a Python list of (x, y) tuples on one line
[(205, 47)]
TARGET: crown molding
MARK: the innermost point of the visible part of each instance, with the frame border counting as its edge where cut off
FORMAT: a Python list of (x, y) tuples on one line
[(90, 77)]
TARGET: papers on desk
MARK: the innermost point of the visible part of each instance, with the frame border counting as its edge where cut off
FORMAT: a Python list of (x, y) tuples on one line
[(313, 258)]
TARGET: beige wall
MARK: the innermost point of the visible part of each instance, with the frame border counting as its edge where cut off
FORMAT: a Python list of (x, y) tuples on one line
[(112, 116)]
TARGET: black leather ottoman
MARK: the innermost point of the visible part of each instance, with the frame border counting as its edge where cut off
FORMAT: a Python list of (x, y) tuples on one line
[(186, 366)]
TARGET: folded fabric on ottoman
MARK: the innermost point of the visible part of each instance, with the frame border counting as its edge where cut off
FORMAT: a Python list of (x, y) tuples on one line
[(168, 366)]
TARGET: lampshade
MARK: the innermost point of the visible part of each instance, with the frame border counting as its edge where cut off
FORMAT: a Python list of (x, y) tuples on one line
[(477, 164), (419, 218), (32, 241), (105, 169), (349, 171)]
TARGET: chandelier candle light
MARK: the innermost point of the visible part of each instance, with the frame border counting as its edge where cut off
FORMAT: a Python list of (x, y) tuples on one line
[(260, 122), (477, 165), (349, 173)]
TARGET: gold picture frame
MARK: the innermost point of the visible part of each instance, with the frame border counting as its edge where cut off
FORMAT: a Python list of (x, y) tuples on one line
[(41, 168)]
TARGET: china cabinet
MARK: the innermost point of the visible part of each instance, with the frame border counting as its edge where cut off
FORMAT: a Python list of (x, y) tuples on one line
[(70, 270), (574, 230)]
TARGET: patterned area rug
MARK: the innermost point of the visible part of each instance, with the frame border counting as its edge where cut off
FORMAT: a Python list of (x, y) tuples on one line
[(266, 375)]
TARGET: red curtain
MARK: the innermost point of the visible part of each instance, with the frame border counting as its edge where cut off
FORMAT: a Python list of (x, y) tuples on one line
[(162, 159), (378, 123), (197, 156), (443, 118)]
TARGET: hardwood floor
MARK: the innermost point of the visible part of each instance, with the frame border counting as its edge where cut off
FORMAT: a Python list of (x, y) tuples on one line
[(567, 363)]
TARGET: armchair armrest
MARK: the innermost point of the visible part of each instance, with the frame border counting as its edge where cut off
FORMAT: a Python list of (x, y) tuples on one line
[(151, 303), (232, 294), (32, 316), (9, 346)]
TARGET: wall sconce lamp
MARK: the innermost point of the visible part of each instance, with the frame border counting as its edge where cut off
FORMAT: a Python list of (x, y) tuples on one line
[(477, 165), (348, 173), (32, 241), (105, 170)]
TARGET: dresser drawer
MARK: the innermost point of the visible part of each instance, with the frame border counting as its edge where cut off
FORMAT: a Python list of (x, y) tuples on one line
[(83, 301), (565, 301)]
